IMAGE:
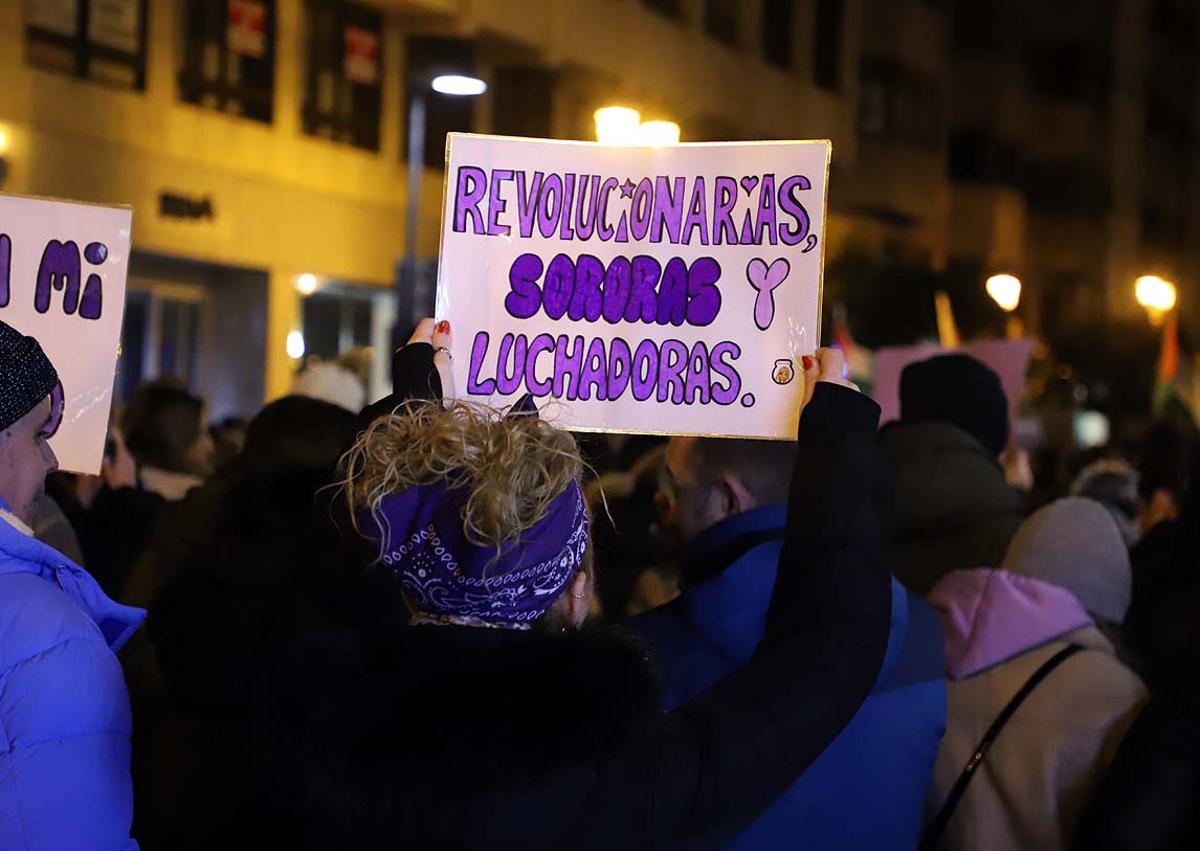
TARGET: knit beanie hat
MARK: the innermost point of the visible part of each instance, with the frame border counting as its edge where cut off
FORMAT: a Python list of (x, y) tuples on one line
[(1074, 543), (26, 375), (960, 390)]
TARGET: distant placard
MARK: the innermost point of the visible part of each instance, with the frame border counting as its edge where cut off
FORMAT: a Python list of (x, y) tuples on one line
[(361, 64), (663, 290), (246, 28), (1009, 359), (62, 280)]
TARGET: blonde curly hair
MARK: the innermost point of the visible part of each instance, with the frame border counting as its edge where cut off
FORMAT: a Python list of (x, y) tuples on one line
[(513, 468)]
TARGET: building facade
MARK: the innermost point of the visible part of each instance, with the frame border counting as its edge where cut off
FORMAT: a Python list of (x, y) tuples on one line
[(262, 143), (264, 140)]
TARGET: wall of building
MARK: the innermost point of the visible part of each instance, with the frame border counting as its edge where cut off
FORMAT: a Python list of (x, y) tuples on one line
[(283, 203)]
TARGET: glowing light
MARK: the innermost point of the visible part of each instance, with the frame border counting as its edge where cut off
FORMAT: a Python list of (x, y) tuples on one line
[(4, 141), (306, 284), (658, 133), (459, 85), (617, 125), (1005, 290), (1154, 293), (295, 345), (1091, 429)]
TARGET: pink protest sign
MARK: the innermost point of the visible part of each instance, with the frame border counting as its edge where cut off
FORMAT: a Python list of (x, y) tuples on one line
[(62, 281), (1009, 359), (644, 289)]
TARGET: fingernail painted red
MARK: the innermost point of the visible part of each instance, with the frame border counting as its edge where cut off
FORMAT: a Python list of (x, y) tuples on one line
[(443, 327), (807, 361)]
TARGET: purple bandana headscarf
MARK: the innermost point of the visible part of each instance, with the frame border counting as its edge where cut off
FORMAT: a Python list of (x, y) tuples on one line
[(446, 578)]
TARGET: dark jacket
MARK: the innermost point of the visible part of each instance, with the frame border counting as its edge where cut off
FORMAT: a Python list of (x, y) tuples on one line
[(114, 531), (881, 763), (453, 737), (953, 508), (278, 564), (1150, 799)]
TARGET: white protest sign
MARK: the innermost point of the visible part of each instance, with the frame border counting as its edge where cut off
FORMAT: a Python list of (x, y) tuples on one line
[(662, 290), (62, 281)]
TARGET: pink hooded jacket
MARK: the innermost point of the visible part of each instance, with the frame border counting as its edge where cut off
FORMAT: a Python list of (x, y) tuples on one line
[(1031, 787)]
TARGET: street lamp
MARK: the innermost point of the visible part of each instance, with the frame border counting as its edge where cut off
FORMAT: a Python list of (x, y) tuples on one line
[(454, 85), (295, 345), (1155, 294), (1005, 290), (617, 125), (306, 284), (658, 133), (623, 126), (458, 85)]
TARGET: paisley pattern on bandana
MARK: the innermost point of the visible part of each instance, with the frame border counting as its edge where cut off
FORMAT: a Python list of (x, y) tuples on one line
[(445, 578)]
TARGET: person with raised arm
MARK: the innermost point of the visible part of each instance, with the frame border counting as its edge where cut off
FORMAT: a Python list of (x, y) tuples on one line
[(496, 719)]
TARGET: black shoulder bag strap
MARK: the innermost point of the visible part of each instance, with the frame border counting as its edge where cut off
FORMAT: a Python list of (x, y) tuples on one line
[(935, 829)]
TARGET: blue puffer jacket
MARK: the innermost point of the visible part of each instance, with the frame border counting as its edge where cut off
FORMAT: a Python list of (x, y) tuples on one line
[(64, 710), (867, 790)]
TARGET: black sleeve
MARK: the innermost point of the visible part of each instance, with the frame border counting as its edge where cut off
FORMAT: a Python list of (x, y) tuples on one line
[(414, 376), (724, 756)]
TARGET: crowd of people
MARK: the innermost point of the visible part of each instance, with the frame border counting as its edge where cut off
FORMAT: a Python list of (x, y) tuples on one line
[(422, 623)]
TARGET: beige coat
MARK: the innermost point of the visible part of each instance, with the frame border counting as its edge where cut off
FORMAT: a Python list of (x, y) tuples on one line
[(1040, 772)]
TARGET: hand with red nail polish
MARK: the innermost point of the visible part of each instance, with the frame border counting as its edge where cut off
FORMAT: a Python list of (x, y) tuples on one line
[(438, 335), (828, 365)]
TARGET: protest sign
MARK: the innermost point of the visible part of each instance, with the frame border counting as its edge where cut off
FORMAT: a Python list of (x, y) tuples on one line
[(662, 290), (62, 281), (1009, 359)]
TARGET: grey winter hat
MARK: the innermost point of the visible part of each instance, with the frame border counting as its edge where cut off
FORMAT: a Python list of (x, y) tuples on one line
[(1074, 543), (26, 375)]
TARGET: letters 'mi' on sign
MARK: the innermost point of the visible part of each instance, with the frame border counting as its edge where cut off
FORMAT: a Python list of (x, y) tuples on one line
[(62, 280), (668, 290)]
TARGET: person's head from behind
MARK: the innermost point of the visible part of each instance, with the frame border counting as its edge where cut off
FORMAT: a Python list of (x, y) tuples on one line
[(297, 433), (1113, 483), (960, 390), (479, 516), (276, 511), (165, 428), (228, 436), (291, 452), (1076, 544), (30, 408), (708, 480)]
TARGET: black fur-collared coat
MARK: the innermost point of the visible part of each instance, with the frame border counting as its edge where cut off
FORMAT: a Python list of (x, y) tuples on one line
[(456, 737)]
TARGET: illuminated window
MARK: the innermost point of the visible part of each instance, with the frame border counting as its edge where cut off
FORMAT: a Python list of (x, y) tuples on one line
[(100, 40), (229, 56), (342, 94), (898, 103)]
